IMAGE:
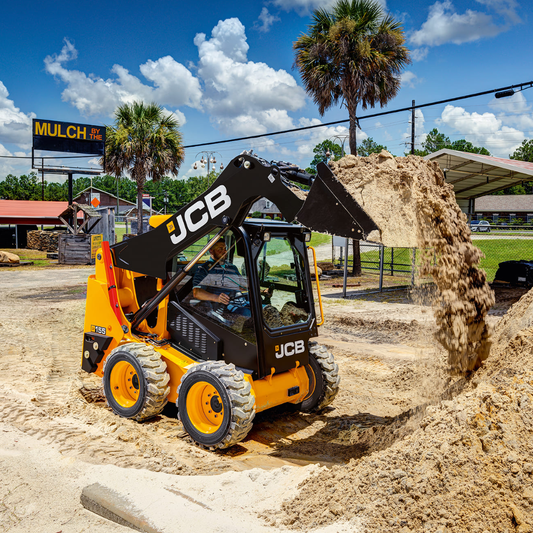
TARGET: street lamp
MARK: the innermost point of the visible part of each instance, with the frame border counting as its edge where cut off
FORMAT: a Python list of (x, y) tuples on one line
[(210, 159), (342, 140), (165, 200)]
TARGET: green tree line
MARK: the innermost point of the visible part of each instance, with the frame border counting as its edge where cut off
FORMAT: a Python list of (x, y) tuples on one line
[(179, 192)]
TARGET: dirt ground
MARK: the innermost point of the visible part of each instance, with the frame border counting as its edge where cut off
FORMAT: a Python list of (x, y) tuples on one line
[(56, 433)]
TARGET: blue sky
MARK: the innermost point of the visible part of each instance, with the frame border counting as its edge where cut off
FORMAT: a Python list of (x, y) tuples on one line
[(226, 70)]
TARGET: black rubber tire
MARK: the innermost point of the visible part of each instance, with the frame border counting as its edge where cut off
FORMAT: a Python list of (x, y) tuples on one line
[(152, 380), (324, 372), (237, 400)]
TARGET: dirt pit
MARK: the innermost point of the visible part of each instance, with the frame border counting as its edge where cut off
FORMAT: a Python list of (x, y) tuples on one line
[(377, 460)]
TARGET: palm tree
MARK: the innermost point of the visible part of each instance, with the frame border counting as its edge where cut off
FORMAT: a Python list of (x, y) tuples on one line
[(146, 143), (354, 55)]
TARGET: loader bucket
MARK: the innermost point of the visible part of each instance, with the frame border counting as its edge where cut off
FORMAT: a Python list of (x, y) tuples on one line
[(329, 208)]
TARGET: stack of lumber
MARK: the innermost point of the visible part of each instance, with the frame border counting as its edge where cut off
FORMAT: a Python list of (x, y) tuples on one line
[(46, 241)]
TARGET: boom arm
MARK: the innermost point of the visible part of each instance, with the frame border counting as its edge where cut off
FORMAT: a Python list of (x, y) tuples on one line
[(328, 208)]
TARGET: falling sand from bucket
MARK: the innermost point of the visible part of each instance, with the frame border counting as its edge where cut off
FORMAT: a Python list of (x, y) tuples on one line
[(409, 200)]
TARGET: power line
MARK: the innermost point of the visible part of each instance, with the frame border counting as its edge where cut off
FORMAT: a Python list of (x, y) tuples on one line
[(374, 115), (521, 86)]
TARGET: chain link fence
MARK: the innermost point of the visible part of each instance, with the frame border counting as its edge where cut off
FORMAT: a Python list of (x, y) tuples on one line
[(386, 268)]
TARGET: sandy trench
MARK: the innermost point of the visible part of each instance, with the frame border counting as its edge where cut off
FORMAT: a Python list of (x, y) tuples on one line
[(54, 440)]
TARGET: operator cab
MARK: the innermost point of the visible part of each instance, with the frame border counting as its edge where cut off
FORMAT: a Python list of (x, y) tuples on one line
[(249, 291)]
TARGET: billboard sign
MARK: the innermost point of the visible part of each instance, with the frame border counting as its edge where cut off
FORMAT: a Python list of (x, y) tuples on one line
[(68, 137)]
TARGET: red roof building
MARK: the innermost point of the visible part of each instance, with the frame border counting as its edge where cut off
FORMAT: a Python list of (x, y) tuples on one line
[(32, 212)]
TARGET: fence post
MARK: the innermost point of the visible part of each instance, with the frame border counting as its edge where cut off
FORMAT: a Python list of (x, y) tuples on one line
[(392, 261), (345, 269), (413, 265), (381, 261)]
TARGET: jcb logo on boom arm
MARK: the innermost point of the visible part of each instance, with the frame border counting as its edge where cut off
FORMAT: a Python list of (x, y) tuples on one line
[(289, 348), (215, 202)]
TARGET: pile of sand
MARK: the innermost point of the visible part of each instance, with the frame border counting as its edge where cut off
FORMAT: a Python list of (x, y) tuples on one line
[(8, 257), (467, 467), (413, 206)]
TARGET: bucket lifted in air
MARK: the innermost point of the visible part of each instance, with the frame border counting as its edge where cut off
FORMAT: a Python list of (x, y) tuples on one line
[(329, 208)]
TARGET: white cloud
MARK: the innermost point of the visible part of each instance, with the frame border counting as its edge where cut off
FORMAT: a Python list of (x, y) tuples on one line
[(304, 7), (409, 78), (483, 130), (444, 25), (515, 111), (177, 115), (419, 54), (92, 95), (266, 20), (175, 84), (15, 126), (506, 8), (243, 97)]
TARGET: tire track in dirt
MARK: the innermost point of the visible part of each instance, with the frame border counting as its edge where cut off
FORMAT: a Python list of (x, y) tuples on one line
[(89, 442)]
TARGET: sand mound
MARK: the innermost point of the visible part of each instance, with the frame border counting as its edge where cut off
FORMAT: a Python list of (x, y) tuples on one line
[(8, 257), (468, 466), (413, 206)]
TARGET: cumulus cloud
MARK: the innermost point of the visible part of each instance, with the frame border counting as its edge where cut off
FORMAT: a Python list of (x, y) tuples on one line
[(444, 25), (419, 54), (483, 130), (409, 78), (515, 111), (173, 84), (243, 97), (505, 8), (15, 126), (266, 20)]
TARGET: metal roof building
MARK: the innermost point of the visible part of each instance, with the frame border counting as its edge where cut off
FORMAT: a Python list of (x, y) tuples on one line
[(475, 175), (32, 212)]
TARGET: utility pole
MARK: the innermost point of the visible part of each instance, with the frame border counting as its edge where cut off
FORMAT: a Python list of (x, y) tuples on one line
[(413, 128)]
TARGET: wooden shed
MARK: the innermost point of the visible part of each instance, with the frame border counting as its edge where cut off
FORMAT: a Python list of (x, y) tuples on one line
[(78, 246)]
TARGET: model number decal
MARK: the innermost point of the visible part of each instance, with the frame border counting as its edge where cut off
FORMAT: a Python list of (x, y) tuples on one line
[(98, 329), (289, 348)]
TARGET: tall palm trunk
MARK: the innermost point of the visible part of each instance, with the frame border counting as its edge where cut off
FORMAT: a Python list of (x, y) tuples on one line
[(356, 258), (353, 129), (139, 211), (140, 180)]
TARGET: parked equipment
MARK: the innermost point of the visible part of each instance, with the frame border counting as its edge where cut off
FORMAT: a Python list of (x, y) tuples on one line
[(515, 272), (214, 312)]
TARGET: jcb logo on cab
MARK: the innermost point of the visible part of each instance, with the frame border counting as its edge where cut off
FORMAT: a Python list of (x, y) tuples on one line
[(289, 348), (216, 202)]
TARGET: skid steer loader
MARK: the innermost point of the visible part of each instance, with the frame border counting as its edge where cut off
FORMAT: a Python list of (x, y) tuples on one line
[(214, 311)]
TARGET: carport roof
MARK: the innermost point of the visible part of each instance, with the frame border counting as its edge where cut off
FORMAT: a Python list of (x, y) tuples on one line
[(31, 212), (475, 175)]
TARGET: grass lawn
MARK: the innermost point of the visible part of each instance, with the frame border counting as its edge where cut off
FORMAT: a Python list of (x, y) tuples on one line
[(498, 250), (119, 232), (317, 239)]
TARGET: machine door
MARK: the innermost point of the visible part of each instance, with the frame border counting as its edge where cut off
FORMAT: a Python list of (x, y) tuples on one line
[(286, 307), (283, 284), (217, 295)]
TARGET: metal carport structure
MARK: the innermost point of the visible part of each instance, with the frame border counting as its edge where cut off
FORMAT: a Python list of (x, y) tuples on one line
[(475, 175)]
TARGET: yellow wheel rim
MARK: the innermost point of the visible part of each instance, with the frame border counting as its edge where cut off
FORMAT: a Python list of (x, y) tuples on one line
[(124, 383), (204, 407), (312, 381)]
